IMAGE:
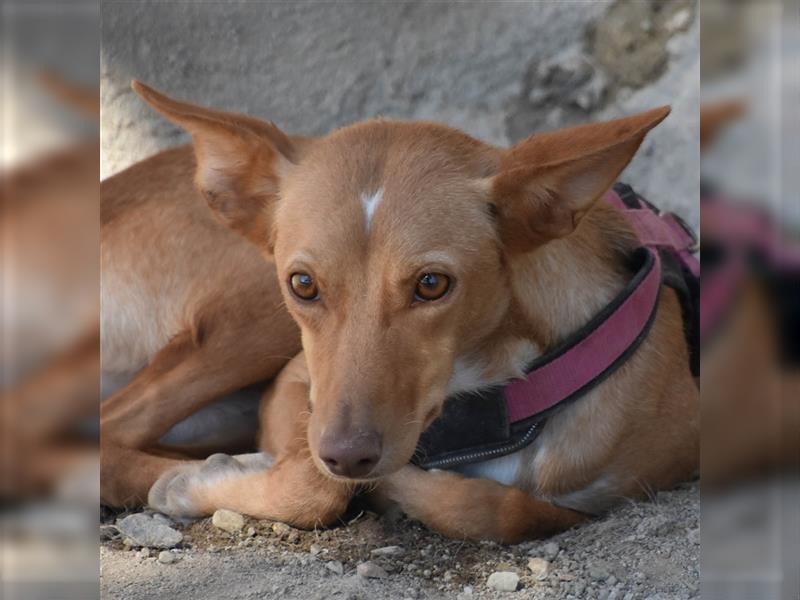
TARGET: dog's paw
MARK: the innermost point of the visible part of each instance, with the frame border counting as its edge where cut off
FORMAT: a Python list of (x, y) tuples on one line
[(183, 491)]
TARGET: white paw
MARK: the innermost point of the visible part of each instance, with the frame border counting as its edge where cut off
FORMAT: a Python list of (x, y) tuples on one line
[(181, 491)]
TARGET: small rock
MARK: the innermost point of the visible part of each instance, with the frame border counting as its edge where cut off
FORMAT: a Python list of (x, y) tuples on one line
[(227, 520), (314, 550), (165, 557), (143, 553), (468, 590), (539, 567), (503, 581), (598, 573), (251, 531), (335, 566), (370, 570), (388, 551), (143, 530), (426, 573), (281, 529), (550, 550)]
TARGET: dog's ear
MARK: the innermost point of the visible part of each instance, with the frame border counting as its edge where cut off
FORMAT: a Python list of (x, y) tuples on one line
[(240, 161), (546, 183), (716, 117)]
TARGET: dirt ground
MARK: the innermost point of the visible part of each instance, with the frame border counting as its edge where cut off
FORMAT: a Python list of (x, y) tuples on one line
[(642, 550)]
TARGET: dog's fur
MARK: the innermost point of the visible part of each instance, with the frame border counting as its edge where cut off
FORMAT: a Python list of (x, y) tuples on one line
[(200, 311)]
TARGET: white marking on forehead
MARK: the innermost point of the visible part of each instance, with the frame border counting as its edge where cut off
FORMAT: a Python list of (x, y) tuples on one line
[(370, 203)]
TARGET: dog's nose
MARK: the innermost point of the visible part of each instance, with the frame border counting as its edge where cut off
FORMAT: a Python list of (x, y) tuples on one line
[(351, 456)]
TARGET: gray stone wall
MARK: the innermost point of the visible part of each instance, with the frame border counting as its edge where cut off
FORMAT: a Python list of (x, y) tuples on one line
[(498, 70)]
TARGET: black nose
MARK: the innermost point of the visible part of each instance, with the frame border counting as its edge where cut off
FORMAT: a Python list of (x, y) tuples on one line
[(353, 456)]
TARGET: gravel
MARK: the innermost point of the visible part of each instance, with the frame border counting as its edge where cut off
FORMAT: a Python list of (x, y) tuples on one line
[(638, 550)]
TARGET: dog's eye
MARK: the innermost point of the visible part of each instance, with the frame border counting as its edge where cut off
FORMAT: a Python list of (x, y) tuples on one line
[(431, 286), (303, 286)]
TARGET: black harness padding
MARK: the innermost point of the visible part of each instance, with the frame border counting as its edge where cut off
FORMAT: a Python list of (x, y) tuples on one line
[(473, 427)]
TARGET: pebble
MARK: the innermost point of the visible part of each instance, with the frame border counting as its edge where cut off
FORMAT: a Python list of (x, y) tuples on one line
[(251, 531), (370, 570), (387, 551), (143, 553), (598, 573), (281, 529), (314, 550), (165, 557), (550, 550), (227, 520), (539, 567), (335, 566), (503, 581), (143, 530)]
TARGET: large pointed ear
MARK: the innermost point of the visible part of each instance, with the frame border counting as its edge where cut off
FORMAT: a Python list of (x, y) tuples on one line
[(240, 161), (714, 118), (546, 183)]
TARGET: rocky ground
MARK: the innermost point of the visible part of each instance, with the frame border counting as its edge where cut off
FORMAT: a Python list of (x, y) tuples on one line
[(642, 550)]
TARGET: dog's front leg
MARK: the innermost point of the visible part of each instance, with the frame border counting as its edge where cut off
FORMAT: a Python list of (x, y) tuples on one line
[(475, 509), (289, 488)]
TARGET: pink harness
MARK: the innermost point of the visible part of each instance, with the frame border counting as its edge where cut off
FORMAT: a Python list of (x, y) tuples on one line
[(499, 420), (607, 338)]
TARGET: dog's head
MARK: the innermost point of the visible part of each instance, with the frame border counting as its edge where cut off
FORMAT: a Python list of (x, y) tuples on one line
[(392, 242)]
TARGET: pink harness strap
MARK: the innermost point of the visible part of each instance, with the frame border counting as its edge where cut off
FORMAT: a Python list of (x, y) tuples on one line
[(607, 339), (567, 374)]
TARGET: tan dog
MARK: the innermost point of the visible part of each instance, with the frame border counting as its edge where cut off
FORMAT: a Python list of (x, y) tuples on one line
[(418, 262)]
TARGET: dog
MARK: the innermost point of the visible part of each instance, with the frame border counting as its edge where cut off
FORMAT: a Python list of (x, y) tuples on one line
[(371, 274)]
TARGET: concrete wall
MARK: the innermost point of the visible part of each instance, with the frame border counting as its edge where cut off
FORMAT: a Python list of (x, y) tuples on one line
[(498, 70)]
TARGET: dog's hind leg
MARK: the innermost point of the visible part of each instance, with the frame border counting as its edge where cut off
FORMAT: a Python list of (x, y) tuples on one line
[(475, 509), (289, 488)]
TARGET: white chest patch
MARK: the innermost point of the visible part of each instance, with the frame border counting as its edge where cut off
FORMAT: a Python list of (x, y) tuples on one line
[(370, 203), (503, 470)]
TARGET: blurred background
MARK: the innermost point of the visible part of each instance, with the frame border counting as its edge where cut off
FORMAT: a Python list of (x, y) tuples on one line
[(49, 485), (750, 317), (498, 70)]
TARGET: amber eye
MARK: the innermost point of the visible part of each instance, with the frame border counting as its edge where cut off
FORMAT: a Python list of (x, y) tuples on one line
[(304, 286), (431, 286)]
